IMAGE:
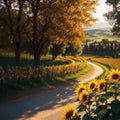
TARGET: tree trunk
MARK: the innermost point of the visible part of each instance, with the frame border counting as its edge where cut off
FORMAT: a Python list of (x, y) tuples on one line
[(111, 49), (53, 56), (17, 54), (53, 52), (36, 58), (17, 49)]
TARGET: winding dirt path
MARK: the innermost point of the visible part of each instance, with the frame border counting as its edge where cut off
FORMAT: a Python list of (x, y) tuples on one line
[(45, 105)]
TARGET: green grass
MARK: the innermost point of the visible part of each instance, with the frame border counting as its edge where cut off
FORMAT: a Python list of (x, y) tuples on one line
[(10, 61), (55, 62), (101, 34), (86, 70), (105, 68), (10, 91)]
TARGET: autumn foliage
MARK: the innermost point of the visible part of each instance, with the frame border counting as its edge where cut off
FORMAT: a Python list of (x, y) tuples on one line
[(43, 22)]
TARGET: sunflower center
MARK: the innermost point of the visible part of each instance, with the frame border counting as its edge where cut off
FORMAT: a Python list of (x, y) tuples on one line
[(92, 86), (102, 86), (69, 114), (115, 76), (81, 90), (85, 97)]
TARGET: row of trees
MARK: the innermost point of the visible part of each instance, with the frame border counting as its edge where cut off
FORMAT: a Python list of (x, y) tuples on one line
[(102, 48), (40, 23)]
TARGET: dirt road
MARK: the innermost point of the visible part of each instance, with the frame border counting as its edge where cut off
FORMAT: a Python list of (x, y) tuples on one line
[(46, 105)]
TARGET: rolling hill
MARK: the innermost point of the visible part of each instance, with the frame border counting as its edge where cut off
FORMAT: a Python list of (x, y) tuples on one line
[(100, 31), (98, 25)]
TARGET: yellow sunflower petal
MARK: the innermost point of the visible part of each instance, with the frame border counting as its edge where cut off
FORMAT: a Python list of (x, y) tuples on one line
[(92, 85), (84, 97), (114, 75), (80, 89), (69, 112), (101, 85)]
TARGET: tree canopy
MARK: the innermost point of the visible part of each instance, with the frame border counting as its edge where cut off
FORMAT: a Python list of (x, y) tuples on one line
[(45, 22), (114, 16)]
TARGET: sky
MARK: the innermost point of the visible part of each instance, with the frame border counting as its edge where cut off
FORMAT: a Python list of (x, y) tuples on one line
[(101, 9)]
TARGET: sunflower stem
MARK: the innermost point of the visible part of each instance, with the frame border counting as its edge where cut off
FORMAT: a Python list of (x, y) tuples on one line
[(116, 92), (97, 102), (106, 95), (89, 109)]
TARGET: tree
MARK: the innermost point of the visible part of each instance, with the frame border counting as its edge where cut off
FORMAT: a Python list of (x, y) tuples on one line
[(60, 18), (5, 38), (39, 22), (12, 17), (114, 16), (74, 48), (57, 49)]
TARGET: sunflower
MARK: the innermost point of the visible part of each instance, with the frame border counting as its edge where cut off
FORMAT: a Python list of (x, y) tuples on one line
[(114, 75), (69, 112), (84, 97), (101, 85), (92, 85), (80, 89)]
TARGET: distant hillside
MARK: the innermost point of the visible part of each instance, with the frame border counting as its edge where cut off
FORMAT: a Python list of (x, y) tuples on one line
[(99, 25), (99, 34)]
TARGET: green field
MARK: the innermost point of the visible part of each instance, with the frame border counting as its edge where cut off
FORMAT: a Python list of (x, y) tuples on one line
[(101, 34)]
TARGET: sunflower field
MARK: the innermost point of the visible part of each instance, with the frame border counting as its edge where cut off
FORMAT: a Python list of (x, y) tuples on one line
[(97, 100), (110, 62)]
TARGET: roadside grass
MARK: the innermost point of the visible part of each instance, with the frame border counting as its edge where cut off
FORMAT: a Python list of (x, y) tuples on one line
[(86, 70), (88, 57), (105, 68), (10, 91), (11, 87), (106, 63)]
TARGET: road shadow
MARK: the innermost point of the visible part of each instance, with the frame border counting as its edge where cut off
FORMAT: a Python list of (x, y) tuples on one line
[(26, 108)]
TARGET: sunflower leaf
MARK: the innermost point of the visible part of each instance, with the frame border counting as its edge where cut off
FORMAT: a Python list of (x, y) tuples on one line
[(102, 99), (117, 94), (115, 106), (114, 117), (86, 117), (114, 87), (76, 118), (100, 108), (103, 95), (109, 94), (101, 114), (81, 108)]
